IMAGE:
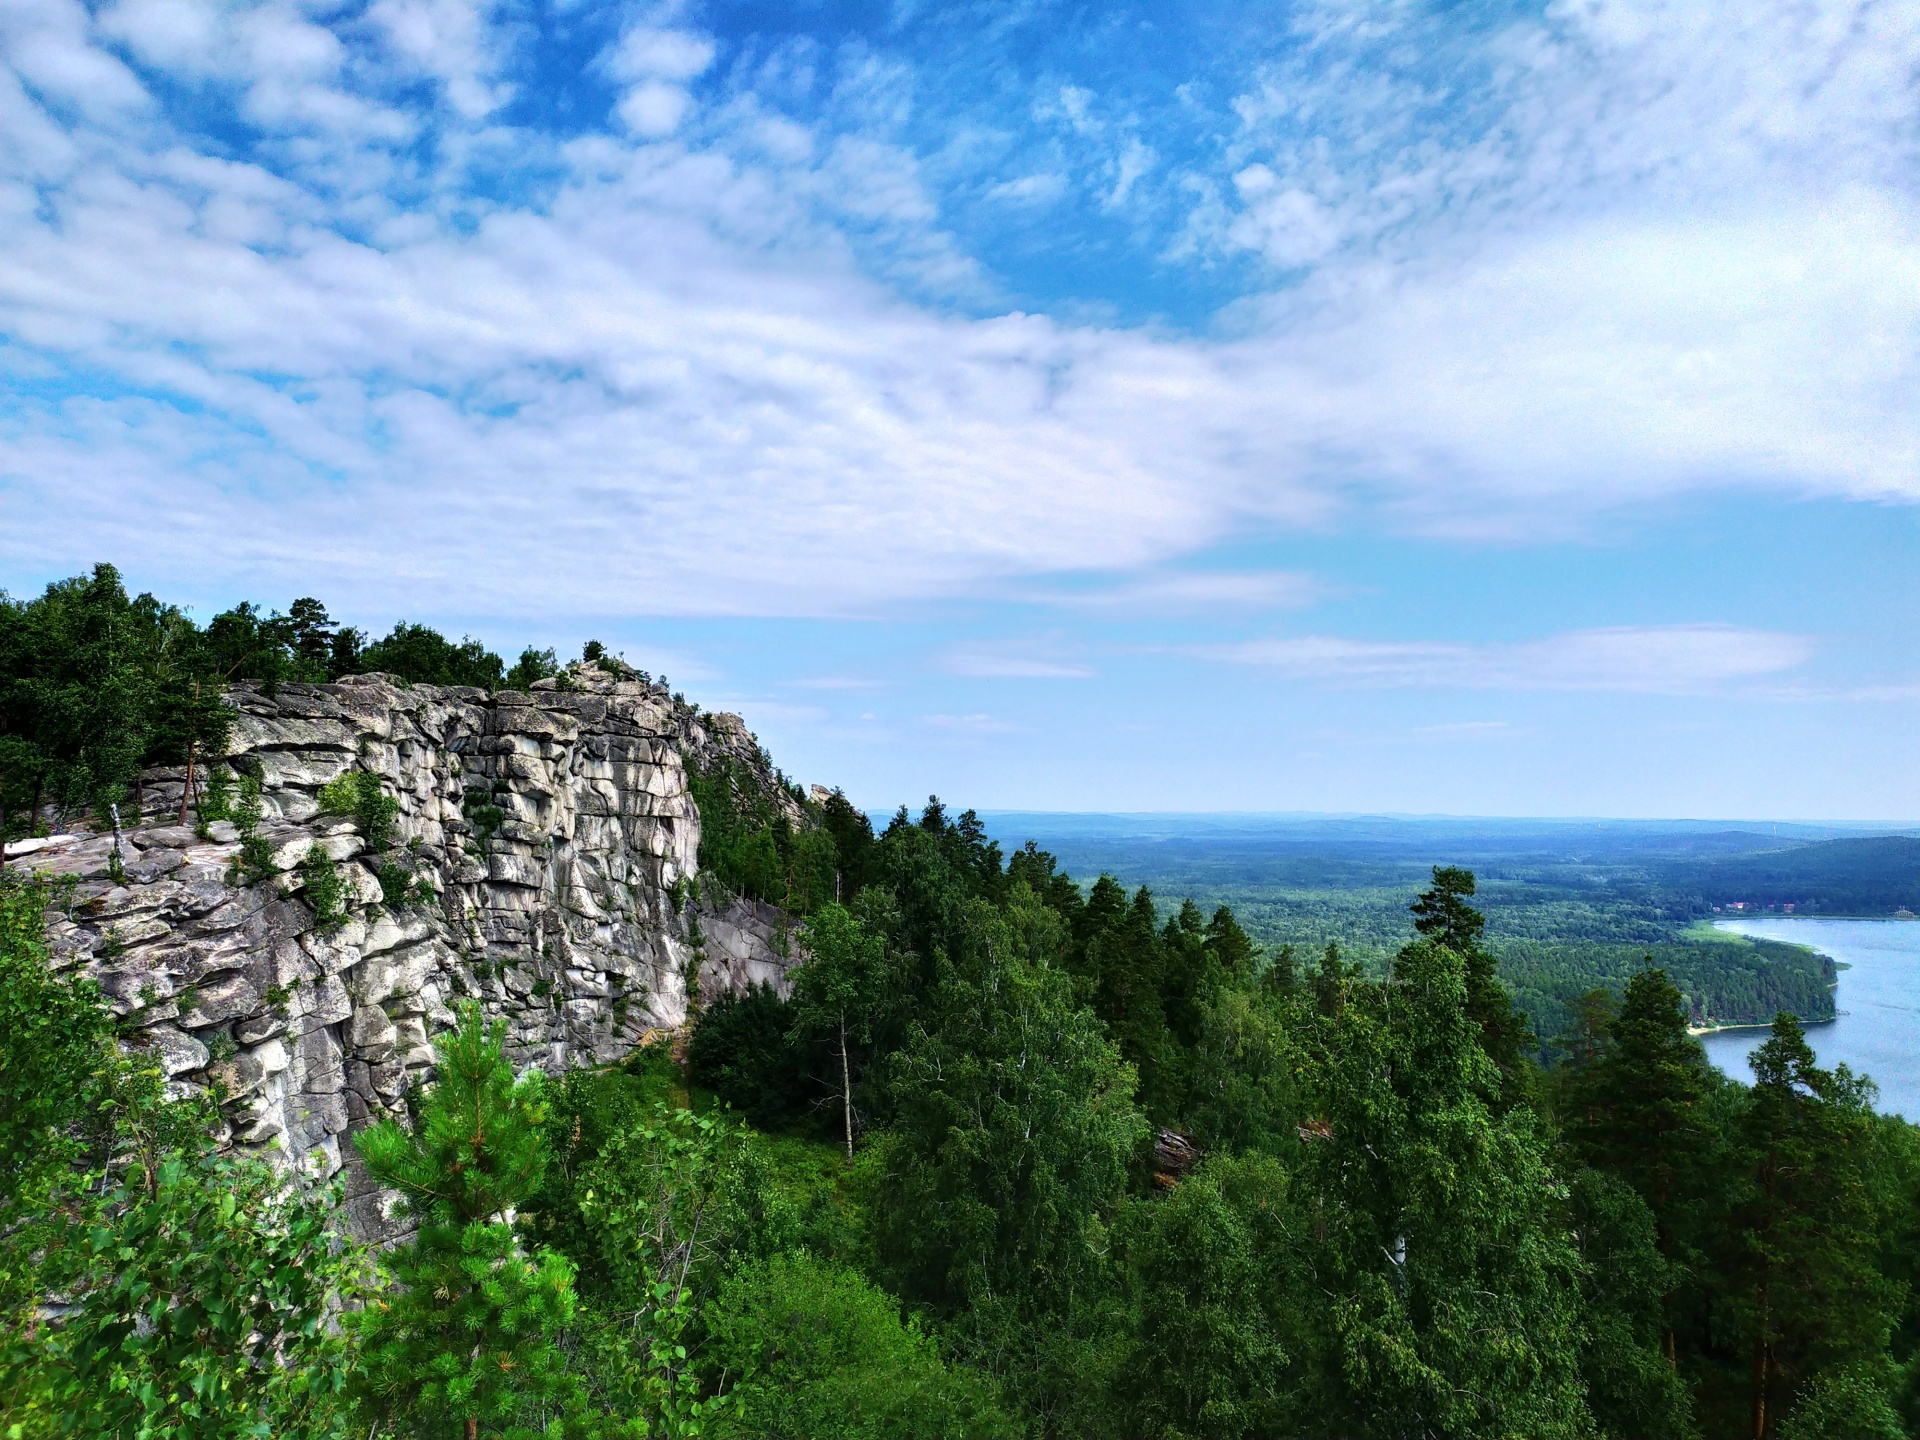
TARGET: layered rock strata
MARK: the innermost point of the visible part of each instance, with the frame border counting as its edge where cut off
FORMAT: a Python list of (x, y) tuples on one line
[(549, 843)]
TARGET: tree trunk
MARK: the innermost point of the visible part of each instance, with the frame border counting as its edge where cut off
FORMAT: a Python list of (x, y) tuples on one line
[(846, 1085), (473, 1427), (1762, 1357), (186, 791), (3, 831)]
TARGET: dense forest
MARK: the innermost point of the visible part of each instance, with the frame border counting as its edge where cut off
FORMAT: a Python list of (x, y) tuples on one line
[(1872, 875), (1570, 908), (1018, 1156)]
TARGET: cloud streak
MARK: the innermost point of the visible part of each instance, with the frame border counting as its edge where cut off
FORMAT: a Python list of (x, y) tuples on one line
[(1661, 660)]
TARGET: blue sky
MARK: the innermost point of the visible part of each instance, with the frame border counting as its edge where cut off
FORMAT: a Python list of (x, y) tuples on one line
[(1501, 409)]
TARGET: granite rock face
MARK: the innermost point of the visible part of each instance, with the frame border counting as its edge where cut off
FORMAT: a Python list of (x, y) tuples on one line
[(551, 842)]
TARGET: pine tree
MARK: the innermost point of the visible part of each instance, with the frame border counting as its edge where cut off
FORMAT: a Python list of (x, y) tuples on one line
[(1442, 1264), (466, 1337), (1809, 1295), (1644, 1096), (1636, 1112), (1443, 916)]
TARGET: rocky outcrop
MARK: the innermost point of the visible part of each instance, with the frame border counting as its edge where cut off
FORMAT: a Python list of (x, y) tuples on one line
[(547, 843)]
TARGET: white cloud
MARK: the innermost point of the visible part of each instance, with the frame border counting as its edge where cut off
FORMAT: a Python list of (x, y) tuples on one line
[(666, 378), (1014, 660), (1193, 591), (449, 40), (1289, 226), (46, 42), (1673, 659), (1040, 189), (654, 109), (655, 53)]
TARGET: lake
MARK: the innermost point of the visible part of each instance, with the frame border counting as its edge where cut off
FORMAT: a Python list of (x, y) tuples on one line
[(1878, 1029)]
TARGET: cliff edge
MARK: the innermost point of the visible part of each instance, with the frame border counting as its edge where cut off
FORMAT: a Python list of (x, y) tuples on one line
[(541, 858)]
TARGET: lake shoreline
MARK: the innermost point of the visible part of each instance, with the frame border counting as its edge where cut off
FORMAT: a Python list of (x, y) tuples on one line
[(1876, 1034), (1698, 1030)]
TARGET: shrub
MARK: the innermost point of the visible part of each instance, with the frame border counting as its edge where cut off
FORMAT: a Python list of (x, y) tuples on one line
[(358, 793), (743, 1051), (820, 1352), (255, 860), (326, 891)]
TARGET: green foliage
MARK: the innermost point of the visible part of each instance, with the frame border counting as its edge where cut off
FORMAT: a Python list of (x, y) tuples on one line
[(1013, 1126), (648, 1214), (1632, 1389), (202, 1305), (423, 656), (841, 991), (1567, 916), (1636, 1111), (53, 1034), (1848, 1402), (1443, 915), (745, 1051), (254, 863), (326, 891), (1804, 1289), (749, 845), (1870, 876), (359, 793), (485, 817), (814, 1350), (1397, 1226), (1244, 1095), (531, 666), (190, 1296), (94, 685), (469, 1328), (401, 887), (1452, 1280), (1215, 1275)]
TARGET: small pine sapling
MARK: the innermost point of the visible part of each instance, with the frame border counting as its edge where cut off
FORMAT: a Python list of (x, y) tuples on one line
[(467, 1339)]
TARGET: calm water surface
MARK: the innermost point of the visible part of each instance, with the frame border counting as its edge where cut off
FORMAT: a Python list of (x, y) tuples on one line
[(1878, 1029)]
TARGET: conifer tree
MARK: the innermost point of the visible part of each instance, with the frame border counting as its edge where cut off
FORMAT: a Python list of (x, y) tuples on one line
[(1440, 1246), (1638, 1106), (1636, 1112), (1443, 916), (466, 1338), (1809, 1296)]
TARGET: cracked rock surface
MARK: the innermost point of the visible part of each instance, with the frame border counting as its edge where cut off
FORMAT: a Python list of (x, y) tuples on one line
[(574, 913)]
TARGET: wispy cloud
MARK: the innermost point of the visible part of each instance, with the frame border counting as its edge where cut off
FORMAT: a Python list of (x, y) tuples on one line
[(976, 724), (1193, 592), (838, 682), (1468, 730), (1014, 660), (1675, 659)]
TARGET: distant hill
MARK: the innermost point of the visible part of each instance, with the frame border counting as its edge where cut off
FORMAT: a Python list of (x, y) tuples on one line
[(1872, 876)]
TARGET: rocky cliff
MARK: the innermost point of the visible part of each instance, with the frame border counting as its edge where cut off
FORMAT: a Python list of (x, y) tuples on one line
[(548, 843)]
